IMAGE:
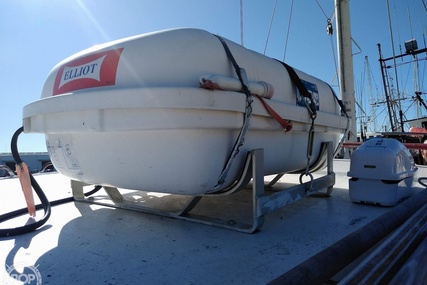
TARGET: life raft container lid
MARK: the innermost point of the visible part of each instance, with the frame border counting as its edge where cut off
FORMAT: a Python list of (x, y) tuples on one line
[(382, 159)]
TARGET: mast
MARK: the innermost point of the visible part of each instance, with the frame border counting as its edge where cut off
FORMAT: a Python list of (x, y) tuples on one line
[(372, 102), (390, 109), (345, 62), (411, 49), (395, 70)]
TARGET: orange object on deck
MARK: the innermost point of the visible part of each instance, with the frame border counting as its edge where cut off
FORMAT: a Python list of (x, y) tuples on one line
[(24, 179)]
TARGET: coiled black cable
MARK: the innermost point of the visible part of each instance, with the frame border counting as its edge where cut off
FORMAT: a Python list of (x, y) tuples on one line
[(421, 181), (45, 204)]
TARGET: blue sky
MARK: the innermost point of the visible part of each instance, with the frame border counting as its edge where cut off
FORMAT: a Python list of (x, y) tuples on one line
[(37, 34)]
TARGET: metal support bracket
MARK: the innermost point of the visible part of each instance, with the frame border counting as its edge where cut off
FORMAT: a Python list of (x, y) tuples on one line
[(210, 209)]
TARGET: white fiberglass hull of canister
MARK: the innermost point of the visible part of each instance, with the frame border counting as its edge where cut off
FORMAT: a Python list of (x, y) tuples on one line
[(131, 114)]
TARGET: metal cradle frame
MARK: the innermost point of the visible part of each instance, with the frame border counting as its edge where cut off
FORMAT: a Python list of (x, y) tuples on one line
[(262, 202)]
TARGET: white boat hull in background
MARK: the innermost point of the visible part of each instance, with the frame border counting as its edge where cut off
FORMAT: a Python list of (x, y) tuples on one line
[(131, 114)]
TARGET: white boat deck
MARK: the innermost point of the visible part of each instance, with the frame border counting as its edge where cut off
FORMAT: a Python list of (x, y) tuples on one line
[(90, 244)]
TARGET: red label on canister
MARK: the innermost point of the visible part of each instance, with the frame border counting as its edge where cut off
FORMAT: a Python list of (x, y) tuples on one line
[(94, 70)]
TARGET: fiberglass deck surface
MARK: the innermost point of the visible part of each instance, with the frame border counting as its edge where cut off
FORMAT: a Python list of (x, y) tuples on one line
[(90, 244)]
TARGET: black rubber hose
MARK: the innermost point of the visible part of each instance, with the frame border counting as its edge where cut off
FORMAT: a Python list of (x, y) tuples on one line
[(23, 211), (45, 204)]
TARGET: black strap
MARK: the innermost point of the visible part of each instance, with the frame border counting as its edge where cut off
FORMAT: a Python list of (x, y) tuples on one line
[(340, 102), (239, 71), (301, 88)]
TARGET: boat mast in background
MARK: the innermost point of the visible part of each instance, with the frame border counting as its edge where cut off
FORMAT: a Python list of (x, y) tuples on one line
[(345, 62)]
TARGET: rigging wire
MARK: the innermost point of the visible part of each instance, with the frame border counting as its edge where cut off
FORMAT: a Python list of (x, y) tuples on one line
[(423, 74), (335, 60), (394, 53), (400, 100), (398, 30), (410, 21), (329, 31), (323, 11), (424, 3), (241, 22), (269, 28), (375, 83), (289, 28), (287, 32)]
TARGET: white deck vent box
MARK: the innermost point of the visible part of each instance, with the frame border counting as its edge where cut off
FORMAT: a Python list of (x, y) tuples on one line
[(382, 171)]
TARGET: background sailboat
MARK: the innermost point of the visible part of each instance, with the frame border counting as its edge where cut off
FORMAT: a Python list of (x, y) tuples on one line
[(394, 100)]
